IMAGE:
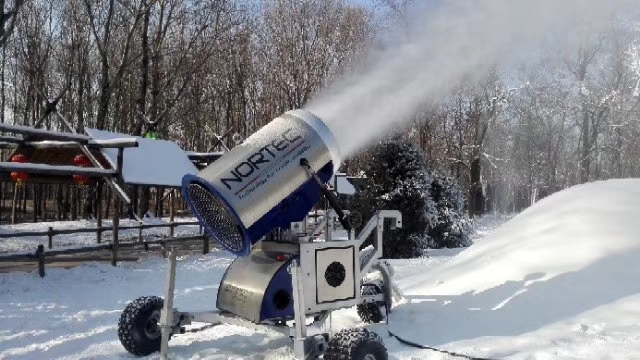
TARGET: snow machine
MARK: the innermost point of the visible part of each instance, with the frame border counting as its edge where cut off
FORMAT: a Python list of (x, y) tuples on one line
[(292, 269)]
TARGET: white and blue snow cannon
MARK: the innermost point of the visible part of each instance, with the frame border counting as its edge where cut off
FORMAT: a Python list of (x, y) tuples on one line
[(260, 185), (292, 269)]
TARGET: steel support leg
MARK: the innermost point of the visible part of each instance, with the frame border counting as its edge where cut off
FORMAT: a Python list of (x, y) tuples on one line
[(166, 317), (299, 312)]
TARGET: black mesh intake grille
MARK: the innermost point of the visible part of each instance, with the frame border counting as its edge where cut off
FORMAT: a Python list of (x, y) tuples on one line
[(211, 211)]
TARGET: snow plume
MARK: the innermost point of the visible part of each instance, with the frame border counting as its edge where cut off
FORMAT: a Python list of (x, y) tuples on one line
[(634, 56), (447, 43)]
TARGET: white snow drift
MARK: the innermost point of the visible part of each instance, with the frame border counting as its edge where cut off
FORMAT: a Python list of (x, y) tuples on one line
[(561, 279)]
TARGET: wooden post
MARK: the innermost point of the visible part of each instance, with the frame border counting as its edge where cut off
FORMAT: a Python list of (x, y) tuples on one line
[(119, 165), (40, 256), (119, 162), (171, 213), (99, 212), (163, 244), (140, 231), (50, 236), (205, 245), (116, 226)]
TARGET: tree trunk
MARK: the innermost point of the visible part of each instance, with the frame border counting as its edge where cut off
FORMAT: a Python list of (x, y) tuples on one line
[(133, 206), (3, 95), (476, 194), (105, 81), (87, 192), (143, 203), (585, 161), (73, 202), (36, 198), (44, 203), (160, 202), (59, 203), (105, 96), (14, 203), (23, 193)]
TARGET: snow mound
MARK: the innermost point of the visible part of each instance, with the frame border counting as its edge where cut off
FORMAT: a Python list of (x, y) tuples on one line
[(566, 268)]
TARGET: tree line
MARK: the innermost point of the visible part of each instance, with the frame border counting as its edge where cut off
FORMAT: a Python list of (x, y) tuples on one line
[(192, 69)]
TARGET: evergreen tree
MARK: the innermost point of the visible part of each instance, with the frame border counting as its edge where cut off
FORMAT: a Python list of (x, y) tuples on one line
[(453, 226), (397, 179)]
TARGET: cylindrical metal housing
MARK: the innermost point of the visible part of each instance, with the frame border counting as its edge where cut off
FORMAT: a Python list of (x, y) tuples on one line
[(260, 185)]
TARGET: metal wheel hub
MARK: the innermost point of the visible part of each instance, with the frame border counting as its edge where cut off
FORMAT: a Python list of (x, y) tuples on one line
[(152, 327)]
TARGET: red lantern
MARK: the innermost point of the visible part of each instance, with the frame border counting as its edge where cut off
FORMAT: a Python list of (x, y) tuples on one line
[(18, 176), (81, 179), (19, 158), (81, 161)]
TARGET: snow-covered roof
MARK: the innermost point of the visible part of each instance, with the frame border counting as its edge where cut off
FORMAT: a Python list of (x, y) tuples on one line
[(342, 185), (153, 162)]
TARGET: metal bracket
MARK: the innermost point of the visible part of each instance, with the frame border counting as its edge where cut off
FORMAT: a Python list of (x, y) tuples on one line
[(331, 198), (376, 223)]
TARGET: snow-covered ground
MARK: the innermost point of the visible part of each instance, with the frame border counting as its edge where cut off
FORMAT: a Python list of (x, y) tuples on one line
[(558, 281)]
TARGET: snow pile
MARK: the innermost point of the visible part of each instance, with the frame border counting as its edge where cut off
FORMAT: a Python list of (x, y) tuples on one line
[(485, 224), (560, 280)]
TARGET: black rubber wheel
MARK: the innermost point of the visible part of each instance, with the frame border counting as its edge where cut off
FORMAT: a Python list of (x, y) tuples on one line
[(372, 312), (139, 329), (356, 344)]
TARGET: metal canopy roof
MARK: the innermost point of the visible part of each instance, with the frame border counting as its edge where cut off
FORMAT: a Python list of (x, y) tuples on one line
[(152, 163)]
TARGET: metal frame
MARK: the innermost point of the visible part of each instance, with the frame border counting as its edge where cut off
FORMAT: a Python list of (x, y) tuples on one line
[(41, 138), (309, 341)]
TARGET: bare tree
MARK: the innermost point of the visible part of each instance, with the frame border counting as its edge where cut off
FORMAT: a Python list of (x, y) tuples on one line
[(8, 19), (112, 76)]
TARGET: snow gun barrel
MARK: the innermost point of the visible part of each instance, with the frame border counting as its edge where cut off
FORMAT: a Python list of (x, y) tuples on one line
[(260, 185)]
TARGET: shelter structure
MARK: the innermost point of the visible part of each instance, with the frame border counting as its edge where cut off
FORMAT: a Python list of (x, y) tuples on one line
[(53, 157), (152, 163), (59, 157), (49, 157), (40, 156)]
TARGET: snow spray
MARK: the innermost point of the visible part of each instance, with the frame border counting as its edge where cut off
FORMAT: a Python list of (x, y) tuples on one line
[(449, 42)]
